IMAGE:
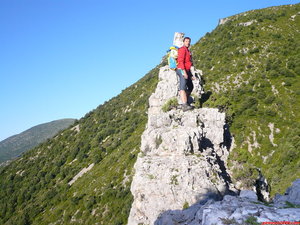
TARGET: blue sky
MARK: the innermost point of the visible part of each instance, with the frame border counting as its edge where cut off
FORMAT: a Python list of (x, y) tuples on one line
[(63, 58)]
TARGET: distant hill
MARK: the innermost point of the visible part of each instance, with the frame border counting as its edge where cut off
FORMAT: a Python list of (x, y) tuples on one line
[(17, 144)]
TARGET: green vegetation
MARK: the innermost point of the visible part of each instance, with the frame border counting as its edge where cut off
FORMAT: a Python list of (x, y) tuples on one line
[(15, 145), (174, 180), (158, 141), (197, 101), (185, 205), (291, 205), (170, 104), (35, 190), (251, 220), (253, 74), (228, 221)]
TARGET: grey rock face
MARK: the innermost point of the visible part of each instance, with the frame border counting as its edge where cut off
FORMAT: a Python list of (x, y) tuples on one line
[(251, 195), (233, 210), (223, 21), (180, 174), (176, 167), (167, 88), (182, 156), (292, 196)]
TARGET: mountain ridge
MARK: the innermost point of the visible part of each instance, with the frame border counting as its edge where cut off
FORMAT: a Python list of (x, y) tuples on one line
[(15, 145), (35, 187)]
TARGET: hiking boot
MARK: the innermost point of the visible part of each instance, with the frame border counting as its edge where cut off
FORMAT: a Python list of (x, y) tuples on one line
[(186, 107)]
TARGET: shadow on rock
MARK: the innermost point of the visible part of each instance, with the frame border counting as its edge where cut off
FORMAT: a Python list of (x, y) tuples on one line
[(205, 97), (187, 216), (205, 144), (227, 137)]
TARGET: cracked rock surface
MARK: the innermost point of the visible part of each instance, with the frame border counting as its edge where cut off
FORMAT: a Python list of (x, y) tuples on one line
[(182, 156), (237, 210), (181, 172)]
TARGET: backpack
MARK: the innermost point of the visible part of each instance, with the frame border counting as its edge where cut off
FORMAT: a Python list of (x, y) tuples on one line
[(172, 57)]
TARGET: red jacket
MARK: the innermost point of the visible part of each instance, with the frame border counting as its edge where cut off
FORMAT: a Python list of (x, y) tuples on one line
[(184, 58)]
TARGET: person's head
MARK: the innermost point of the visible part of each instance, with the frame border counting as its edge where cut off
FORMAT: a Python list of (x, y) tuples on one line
[(187, 42)]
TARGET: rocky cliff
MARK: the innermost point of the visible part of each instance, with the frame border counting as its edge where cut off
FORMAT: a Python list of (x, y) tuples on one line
[(183, 155), (181, 172)]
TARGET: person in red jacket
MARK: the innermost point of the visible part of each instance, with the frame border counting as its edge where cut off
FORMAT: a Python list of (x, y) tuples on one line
[(183, 71)]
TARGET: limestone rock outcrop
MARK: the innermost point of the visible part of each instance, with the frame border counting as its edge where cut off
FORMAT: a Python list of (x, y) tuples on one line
[(182, 155), (242, 209), (180, 174), (167, 88)]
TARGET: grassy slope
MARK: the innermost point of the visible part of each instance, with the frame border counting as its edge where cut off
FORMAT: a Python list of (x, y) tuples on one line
[(253, 73)]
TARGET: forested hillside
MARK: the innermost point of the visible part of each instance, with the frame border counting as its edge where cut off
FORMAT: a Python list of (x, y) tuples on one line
[(17, 144), (251, 70), (35, 189), (251, 67)]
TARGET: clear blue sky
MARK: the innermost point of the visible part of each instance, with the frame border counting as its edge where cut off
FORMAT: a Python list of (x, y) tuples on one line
[(63, 58)]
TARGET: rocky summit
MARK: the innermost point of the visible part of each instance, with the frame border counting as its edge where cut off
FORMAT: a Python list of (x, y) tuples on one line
[(182, 158), (181, 172)]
